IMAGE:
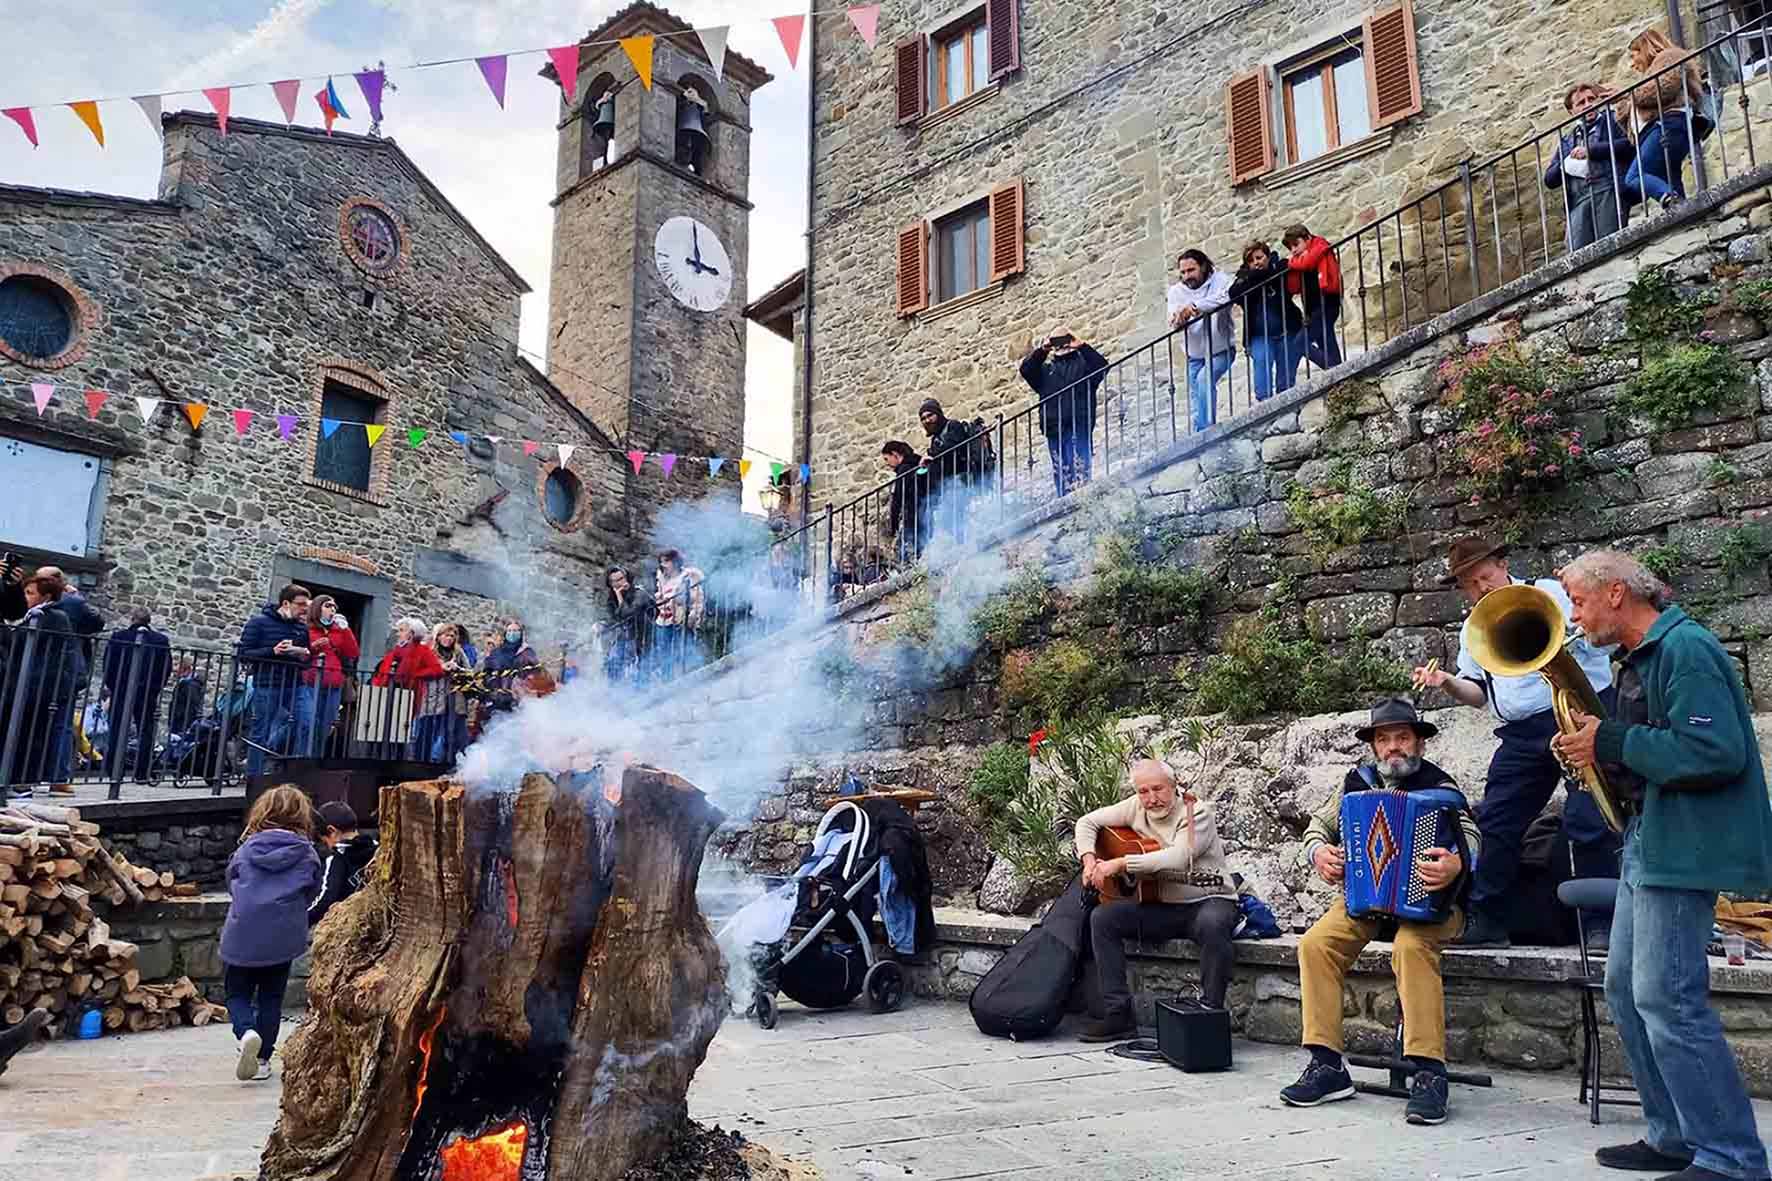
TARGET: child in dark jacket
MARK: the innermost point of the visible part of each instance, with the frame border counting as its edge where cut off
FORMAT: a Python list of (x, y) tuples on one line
[(348, 854), (273, 876)]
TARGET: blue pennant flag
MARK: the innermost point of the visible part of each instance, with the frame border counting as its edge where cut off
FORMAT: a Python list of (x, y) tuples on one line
[(460, 437), (327, 426), (805, 473), (714, 462), (332, 97)]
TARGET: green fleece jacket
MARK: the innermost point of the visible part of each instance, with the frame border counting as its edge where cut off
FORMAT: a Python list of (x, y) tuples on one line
[(1706, 823)]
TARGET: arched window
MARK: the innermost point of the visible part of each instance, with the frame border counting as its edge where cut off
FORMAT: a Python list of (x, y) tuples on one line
[(695, 125), (597, 144), (43, 318)]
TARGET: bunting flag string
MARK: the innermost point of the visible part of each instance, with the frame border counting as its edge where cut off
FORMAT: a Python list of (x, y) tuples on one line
[(41, 392), (328, 427), (195, 412), (713, 43), (416, 436), (147, 407), (88, 112), (866, 20), (790, 29), (150, 105), (492, 68), (667, 462), (636, 458), (370, 82), (639, 51), (373, 431), (242, 421), (566, 450), (95, 402), (565, 59), (27, 124), (714, 462), (288, 92), (286, 426), (221, 98)]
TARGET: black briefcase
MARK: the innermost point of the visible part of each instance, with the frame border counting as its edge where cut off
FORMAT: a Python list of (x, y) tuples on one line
[(1193, 1036)]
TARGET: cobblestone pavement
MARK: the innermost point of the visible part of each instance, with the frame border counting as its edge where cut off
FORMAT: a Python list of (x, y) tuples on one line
[(912, 1095)]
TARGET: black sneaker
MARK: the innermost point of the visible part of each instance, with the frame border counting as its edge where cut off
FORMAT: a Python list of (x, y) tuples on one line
[(1320, 1083), (1482, 931), (1427, 1098), (1641, 1157), (19, 793), (1115, 1027)]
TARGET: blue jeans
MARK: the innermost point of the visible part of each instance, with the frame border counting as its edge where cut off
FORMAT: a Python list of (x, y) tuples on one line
[(1276, 361), (273, 715), (1655, 174), (1073, 454), (1320, 314), (255, 1001), (1203, 393), (326, 702), (1657, 988)]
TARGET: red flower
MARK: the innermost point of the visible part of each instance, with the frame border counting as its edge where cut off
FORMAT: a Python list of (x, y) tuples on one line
[(1034, 741)]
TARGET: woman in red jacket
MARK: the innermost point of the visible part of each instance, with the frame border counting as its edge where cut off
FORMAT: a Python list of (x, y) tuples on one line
[(1315, 274), (334, 649), (412, 665)]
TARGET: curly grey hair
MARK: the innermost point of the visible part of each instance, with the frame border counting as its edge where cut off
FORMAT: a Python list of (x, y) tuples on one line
[(1603, 567), (416, 626)]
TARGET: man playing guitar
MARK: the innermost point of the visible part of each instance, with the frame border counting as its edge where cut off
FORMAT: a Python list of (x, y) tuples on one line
[(1183, 891)]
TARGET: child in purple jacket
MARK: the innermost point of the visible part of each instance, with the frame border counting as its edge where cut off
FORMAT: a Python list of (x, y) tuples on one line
[(273, 876)]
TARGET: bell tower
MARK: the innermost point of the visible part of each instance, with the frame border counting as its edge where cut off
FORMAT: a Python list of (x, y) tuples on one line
[(646, 329)]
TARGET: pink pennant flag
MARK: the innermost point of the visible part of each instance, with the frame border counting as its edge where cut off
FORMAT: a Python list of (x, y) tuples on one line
[(95, 401), (370, 82), (565, 59), (667, 461), (221, 98), (22, 116), (866, 19), (286, 426), (41, 393), (566, 450), (636, 458), (242, 421), (790, 29), (492, 69), (287, 92), (530, 447)]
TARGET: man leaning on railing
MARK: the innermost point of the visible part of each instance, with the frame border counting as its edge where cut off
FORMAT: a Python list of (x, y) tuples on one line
[(273, 651), (1589, 166)]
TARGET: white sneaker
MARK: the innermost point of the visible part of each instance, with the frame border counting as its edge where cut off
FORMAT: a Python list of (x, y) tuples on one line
[(246, 1068), (262, 1073)]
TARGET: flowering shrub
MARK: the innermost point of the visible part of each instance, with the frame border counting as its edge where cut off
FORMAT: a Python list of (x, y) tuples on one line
[(1509, 438)]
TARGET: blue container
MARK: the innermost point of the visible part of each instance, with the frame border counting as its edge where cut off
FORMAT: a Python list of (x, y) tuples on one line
[(92, 1024)]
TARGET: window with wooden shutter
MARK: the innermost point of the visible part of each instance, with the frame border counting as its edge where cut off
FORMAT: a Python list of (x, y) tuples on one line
[(913, 269), (1249, 126), (909, 79), (1393, 74), (1006, 231), (1004, 19)]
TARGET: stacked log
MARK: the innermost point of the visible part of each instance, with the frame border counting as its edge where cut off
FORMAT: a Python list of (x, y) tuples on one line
[(55, 952)]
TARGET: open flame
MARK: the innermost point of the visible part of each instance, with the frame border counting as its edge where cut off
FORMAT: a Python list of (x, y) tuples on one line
[(424, 1068), (496, 1156), (509, 873)]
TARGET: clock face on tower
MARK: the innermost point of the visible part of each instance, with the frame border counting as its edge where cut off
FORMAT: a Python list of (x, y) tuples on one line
[(693, 264)]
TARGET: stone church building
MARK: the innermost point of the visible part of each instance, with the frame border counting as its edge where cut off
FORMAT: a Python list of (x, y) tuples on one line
[(284, 271)]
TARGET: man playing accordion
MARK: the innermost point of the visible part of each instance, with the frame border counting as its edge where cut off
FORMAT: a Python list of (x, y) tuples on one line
[(1398, 738)]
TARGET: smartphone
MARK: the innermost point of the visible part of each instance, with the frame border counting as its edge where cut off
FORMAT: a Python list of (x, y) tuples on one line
[(1059, 341)]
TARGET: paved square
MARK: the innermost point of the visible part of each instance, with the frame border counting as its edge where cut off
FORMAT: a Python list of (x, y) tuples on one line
[(915, 1095)]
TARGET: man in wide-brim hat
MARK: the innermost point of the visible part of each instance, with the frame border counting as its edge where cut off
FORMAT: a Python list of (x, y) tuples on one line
[(1523, 772)]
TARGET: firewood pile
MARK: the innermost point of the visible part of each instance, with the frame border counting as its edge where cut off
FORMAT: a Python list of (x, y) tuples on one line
[(55, 953)]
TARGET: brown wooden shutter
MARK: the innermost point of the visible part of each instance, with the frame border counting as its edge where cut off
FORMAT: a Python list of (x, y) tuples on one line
[(1393, 73), (1006, 231), (913, 269), (1004, 20), (912, 57), (1248, 117)]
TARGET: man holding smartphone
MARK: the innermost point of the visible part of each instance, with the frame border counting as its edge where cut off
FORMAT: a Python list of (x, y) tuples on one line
[(273, 651), (1065, 372)]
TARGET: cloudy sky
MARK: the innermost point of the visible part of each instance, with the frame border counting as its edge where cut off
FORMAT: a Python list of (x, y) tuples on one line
[(497, 166)]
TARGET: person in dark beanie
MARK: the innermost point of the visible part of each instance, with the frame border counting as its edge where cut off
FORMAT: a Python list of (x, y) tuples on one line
[(347, 857), (1065, 372), (138, 662), (949, 471)]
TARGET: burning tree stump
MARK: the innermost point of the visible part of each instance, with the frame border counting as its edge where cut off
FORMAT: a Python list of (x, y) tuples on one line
[(523, 992)]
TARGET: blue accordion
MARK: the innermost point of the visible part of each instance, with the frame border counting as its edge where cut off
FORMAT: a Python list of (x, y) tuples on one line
[(1383, 833)]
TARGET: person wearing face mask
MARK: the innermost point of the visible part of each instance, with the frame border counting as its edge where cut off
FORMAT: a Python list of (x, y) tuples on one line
[(335, 649), (1398, 738), (513, 661)]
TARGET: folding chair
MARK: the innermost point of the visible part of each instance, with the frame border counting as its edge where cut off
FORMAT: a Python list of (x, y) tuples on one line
[(1583, 895), (1401, 1070)]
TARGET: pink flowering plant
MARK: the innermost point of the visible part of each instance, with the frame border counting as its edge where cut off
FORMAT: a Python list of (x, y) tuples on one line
[(1509, 439)]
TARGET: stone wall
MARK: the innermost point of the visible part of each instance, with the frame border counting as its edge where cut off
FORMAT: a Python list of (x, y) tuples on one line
[(1121, 175), (182, 937)]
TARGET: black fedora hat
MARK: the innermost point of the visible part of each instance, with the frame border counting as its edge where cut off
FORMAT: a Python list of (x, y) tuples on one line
[(1395, 711)]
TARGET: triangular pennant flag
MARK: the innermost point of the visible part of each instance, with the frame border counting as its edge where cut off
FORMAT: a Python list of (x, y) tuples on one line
[(866, 19), (417, 435), (370, 82), (714, 42), (714, 462), (194, 411), (146, 407), (22, 116), (88, 112), (95, 401), (530, 447), (667, 461), (286, 425), (328, 112), (639, 51), (565, 59), (495, 440), (636, 458), (41, 393), (242, 421), (336, 102), (566, 450), (744, 468), (775, 470), (287, 92), (150, 105), (221, 98), (492, 68), (374, 431), (460, 437), (790, 29), (327, 426), (805, 473)]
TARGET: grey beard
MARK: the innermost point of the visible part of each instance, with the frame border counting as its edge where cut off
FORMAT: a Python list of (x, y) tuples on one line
[(1397, 770)]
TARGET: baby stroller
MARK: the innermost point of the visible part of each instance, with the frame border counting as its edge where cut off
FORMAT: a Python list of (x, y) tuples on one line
[(821, 917), (192, 754)]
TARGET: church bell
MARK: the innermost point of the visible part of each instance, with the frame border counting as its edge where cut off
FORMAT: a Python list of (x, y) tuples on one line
[(604, 125), (692, 135)]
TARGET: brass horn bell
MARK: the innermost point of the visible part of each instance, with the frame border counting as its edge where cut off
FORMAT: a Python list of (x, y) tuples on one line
[(1516, 631)]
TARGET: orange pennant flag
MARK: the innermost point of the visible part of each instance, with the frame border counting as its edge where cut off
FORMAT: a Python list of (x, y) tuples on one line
[(744, 468), (195, 412), (639, 51), (88, 112)]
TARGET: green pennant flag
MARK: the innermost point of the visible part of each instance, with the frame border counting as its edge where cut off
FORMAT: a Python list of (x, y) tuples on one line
[(416, 435), (775, 470)]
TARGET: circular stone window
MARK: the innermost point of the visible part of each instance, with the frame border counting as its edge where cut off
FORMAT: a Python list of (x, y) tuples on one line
[(563, 501), (39, 319), (371, 235)]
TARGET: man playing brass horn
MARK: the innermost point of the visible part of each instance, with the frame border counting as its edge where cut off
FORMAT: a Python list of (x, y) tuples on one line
[(1523, 773)]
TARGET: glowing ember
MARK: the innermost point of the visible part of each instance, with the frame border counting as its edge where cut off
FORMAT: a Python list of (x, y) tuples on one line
[(496, 1156), (510, 877), (424, 1069)]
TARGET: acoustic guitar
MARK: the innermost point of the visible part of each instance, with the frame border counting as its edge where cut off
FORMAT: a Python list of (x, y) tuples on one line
[(1120, 841)]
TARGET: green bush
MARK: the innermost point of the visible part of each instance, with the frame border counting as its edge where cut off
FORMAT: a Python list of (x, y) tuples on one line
[(1270, 665), (916, 619), (1663, 561), (1064, 681), (1754, 297), (1128, 590), (1000, 780), (1005, 618), (1084, 768), (1674, 386), (1508, 436), (1744, 549), (1655, 314), (1719, 473), (1344, 511)]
